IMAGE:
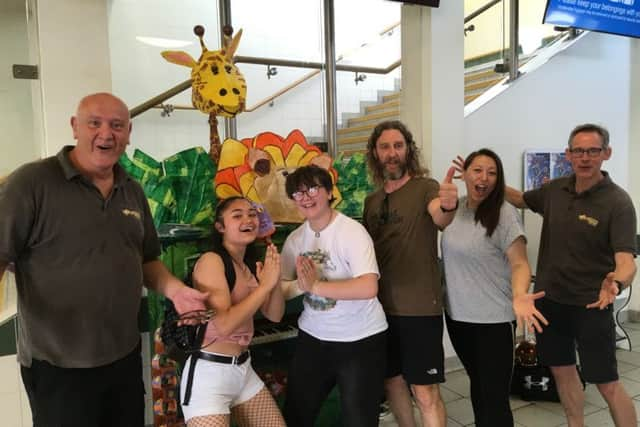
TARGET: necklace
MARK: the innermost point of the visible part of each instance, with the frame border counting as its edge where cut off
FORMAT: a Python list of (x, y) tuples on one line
[(317, 232)]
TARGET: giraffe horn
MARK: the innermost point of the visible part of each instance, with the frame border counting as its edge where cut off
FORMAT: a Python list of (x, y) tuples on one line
[(233, 46)]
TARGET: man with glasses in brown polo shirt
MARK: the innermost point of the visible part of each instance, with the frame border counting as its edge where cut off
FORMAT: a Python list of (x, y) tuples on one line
[(81, 236), (586, 259), (403, 217)]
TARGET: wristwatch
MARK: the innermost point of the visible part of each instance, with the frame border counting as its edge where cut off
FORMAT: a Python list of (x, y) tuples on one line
[(621, 286)]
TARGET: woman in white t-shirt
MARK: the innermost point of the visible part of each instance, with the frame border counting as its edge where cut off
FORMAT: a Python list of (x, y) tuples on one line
[(342, 339), (487, 282)]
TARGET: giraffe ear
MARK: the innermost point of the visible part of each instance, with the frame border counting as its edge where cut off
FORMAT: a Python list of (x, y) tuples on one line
[(179, 57), (233, 46)]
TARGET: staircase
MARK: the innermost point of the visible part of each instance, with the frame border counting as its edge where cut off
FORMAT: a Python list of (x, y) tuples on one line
[(352, 138)]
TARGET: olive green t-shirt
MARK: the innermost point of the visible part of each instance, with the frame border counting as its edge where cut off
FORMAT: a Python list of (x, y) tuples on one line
[(405, 240), (78, 262), (581, 232)]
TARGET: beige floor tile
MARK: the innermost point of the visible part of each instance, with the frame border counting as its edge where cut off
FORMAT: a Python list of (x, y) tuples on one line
[(634, 374), (536, 416), (448, 395), (9, 372), (602, 418), (593, 396), (630, 357), (460, 411), (516, 403), (632, 387), (10, 412), (458, 382), (635, 326), (556, 408), (624, 367)]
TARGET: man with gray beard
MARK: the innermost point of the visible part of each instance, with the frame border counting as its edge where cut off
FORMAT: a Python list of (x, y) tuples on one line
[(403, 217)]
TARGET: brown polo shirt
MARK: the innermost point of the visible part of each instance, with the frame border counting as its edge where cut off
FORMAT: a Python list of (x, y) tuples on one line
[(580, 235), (78, 260), (405, 239)]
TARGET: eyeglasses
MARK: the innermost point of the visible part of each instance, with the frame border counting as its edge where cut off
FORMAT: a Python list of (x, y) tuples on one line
[(592, 152), (310, 192), (384, 210)]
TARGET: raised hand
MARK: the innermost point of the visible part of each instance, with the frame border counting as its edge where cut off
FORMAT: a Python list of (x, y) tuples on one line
[(526, 313), (458, 164), (307, 274), (448, 192), (268, 272), (608, 293)]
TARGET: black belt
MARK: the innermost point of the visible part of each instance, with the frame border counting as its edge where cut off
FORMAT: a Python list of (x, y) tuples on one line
[(229, 360)]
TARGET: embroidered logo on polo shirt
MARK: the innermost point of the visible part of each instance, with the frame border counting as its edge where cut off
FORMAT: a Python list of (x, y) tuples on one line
[(129, 212), (591, 221)]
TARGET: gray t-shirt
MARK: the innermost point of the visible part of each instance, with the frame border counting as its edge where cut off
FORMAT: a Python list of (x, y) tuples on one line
[(478, 274), (78, 260)]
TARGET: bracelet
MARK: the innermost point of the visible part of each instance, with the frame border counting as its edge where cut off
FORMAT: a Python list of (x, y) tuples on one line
[(449, 210)]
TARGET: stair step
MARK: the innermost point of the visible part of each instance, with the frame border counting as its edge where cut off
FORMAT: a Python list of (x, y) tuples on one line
[(479, 75), (469, 98), (376, 117), (484, 84), (350, 140), (391, 97), (354, 129), (394, 104)]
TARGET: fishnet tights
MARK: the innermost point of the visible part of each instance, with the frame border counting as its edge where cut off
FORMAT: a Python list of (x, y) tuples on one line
[(259, 411), (209, 421)]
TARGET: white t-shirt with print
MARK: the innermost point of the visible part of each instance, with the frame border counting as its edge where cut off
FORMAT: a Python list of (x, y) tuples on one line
[(343, 250)]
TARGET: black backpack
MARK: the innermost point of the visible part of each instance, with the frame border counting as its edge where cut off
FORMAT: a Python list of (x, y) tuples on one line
[(187, 340)]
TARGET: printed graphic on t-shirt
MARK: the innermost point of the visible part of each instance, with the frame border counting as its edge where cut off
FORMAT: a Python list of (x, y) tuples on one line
[(322, 261)]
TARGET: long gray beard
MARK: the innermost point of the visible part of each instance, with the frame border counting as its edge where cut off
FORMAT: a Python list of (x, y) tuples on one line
[(394, 176)]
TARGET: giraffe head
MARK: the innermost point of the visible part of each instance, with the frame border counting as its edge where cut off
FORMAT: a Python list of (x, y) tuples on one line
[(218, 86)]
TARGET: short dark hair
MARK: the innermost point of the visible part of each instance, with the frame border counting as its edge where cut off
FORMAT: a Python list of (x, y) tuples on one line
[(376, 170), (590, 127), (308, 176), (488, 212)]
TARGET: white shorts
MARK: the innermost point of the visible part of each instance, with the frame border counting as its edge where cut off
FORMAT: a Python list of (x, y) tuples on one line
[(218, 387)]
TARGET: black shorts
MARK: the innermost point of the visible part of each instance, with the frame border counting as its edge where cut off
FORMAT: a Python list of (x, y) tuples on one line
[(591, 330), (105, 396), (414, 349)]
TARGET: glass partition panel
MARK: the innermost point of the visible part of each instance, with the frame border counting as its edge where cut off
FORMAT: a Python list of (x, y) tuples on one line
[(486, 34), (18, 120), (21, 142), (366, 98), (282, 98), (138, 32), (486, 40), (532, 33)]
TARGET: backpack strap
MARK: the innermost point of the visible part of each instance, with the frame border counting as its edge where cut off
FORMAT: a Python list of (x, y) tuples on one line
[(192, 367)]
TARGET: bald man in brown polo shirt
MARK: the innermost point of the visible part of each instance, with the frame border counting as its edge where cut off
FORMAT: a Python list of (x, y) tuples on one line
[(81, 236), (586, 258)]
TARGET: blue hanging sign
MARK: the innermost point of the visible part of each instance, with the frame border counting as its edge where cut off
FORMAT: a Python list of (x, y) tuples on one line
[(609, 16)]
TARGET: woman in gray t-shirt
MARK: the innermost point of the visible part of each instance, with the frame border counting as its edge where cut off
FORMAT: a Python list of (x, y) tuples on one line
[(487, 281)]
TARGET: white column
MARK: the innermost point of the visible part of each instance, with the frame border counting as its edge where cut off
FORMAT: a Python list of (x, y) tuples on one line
[(634, 154), (432, 101)]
